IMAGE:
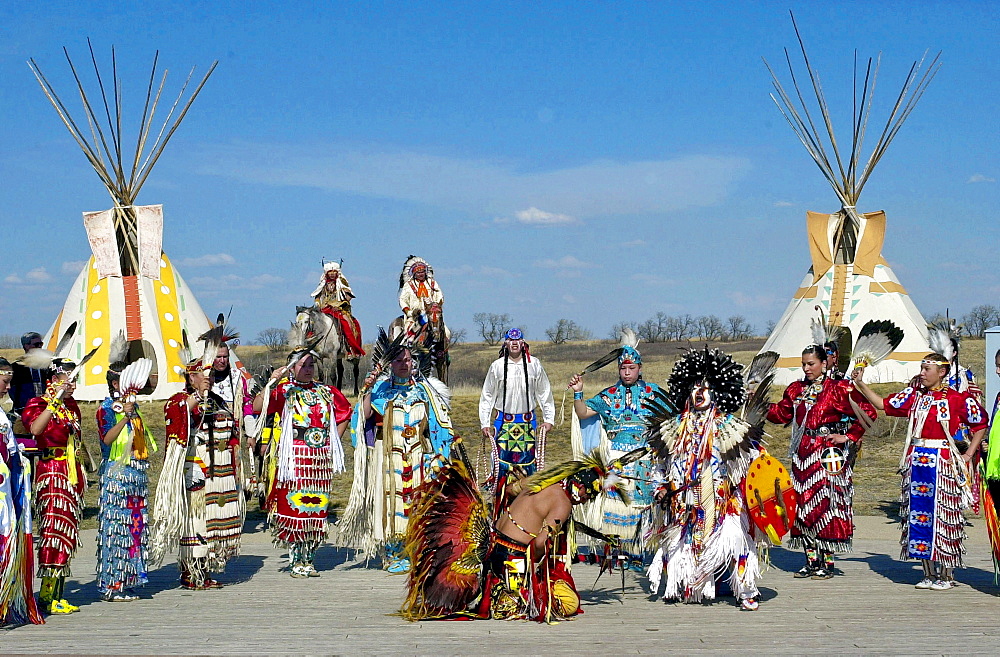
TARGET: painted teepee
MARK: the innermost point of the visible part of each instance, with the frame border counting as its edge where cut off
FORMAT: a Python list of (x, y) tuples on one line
[(129, 285), (849, 280)]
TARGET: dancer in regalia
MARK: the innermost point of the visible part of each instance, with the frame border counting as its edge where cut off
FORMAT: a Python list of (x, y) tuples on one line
[(304, 458), (420, 296), (824, 413), (703, 451), (466, 566), (17, 561), (126, 444), (333, 296), (991, 476), (199, 506), (54, 420), (402, 435), (515, 392), (936, 484), (614, 421)]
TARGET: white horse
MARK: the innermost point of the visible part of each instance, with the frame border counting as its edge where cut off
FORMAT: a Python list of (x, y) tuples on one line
[(312, 323)]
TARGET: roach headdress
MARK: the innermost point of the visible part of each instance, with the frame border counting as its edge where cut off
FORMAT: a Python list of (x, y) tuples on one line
[(717, 369)]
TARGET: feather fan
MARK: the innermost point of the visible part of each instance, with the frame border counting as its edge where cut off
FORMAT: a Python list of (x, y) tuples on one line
[(62, 349), (878, 338), (384, 351), (135, 376), (37, 359), (184, 353), (758, 378), (628, 339)]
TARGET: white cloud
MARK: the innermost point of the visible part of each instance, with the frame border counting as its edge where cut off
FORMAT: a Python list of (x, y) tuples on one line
[(783, 204), (208, 260), (980, 178), (36, 276), (535, 217), (565, 262), (73, 267), (634, 243), (485, 187)]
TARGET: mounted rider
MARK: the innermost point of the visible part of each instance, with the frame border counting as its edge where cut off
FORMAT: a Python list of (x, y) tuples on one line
[(420, 297), (333, 296)]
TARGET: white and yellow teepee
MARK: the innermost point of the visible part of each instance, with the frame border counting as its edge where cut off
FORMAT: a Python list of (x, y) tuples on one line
[(849, 280), (128, 285)]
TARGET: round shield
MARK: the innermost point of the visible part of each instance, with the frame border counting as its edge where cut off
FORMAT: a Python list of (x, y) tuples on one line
[(833, 459)]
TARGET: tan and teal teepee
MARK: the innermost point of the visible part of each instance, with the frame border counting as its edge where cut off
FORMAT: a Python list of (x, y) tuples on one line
[(849, 280)]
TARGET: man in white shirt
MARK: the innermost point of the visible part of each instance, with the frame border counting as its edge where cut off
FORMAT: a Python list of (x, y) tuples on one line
[(516, 390)]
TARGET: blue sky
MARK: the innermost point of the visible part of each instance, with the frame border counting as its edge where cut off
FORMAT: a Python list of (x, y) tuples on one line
[(598, 162)]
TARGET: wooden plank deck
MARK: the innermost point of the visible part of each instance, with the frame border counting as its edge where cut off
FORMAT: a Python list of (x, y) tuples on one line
[(873, 608)]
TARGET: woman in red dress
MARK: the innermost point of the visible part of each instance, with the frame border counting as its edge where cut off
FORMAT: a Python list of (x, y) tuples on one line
[(936, 483), (54, 420), (826, 434)]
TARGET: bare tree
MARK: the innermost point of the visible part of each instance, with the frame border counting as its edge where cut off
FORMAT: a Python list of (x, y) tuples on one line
[(685, 325), (769, 328), (8, 341), (273, 338), (738, 328), (979, 319), (458, 336), (492, 326), (566, 330), (709, 327), (617, 329)]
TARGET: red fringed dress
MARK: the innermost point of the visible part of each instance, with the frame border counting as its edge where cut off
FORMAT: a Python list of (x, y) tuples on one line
[(936, 485), (308, 455), (825, 516), (59, 483)]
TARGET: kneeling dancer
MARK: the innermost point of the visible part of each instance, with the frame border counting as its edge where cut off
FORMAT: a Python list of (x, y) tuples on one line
[(519, 570)]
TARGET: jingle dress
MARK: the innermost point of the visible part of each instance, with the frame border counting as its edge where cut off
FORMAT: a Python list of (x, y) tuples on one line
[(59, 483), (618, 428)]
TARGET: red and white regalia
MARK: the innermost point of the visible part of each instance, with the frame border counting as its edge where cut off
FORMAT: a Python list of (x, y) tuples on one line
[(825, 516)]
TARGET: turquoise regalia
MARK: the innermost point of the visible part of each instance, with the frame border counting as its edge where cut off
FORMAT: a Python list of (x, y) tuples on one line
[(619, 428)]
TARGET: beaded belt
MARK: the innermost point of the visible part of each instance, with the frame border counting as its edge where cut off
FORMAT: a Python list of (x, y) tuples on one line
[(58, 454), (936, 443)]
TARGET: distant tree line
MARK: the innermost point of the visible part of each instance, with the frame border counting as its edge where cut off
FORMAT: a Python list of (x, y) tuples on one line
[(975, 322), (662, 327)]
